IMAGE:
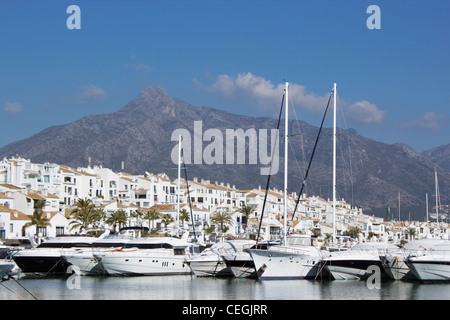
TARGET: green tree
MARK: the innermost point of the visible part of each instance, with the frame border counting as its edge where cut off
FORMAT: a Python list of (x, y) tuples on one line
[(37, 219), (137, 214), (354, 232), (151, 215), (246, 210), (328, 238), (223, 219), (84, 214), (167, 219), (184, 216), (411, 233), (119, 217), (209, 230)]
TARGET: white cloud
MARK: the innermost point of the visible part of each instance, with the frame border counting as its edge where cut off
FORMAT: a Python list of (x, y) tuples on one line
[(87, 94), (365, 112), (267, 95), (13, 107), (263, 92), (92, 92), (138, 66), (429, 121), (141, 67)]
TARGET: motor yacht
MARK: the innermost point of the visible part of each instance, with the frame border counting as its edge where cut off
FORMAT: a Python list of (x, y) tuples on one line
[(353, 264), (211, 262), (299, 258), (394, 261), (148, 256), (431, 264), (46, 257)]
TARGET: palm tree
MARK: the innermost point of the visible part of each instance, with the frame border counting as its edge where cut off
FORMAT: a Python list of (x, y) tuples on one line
[(118, 217), (138, 214), (184, 216), (167, 219), (247, 210), (411, 232), (223, 219), (328, 237), (37, 219), (84, 214), (354, 232), (209, 230), (152, 215)]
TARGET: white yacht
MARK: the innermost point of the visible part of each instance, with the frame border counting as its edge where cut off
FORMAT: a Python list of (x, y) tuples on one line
[(299, 258), (6, 267), (352, 264), (431, 264), (241, 263), (148, 256), (209, 263), (46, 257), (84, 259), (394, 261)]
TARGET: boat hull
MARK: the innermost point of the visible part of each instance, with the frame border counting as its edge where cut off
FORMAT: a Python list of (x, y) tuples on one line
[(86, 263), (5, 268), (242, 266), (209, 268), (40, 261), (396, 267), (351, 269), (119, 264), (430, 270), (270, 264)]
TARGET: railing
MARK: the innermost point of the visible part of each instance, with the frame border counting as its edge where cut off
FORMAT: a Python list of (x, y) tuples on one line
[(431, 253), (292, 250)]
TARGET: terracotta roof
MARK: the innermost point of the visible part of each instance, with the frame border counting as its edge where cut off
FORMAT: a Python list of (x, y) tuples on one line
[(20, 215)]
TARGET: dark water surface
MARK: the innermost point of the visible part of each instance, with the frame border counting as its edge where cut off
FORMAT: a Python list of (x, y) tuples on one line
[(193, 288)]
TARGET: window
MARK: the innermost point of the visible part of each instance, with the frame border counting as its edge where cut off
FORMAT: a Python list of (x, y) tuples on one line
[(59, 231), (42, 231)]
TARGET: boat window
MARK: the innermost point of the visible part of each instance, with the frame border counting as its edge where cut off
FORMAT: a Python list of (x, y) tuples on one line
[(299, 241), (178, 252), (64, 245), (148, 245), (194, 249), (107, 244)]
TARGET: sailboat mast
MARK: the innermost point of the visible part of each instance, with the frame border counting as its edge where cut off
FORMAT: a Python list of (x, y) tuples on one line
[(178, 183), (437, 202), (286, 160), (334, 163)]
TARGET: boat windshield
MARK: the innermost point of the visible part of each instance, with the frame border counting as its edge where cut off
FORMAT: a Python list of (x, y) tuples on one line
[(159, 245), (65, 245), (299, 241)]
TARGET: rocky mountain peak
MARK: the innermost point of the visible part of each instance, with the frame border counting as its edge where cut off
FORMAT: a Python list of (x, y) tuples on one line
[(140, 135)]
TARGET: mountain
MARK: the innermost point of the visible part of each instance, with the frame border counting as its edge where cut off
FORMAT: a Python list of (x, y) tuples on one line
[(439, 155), (370, 174)]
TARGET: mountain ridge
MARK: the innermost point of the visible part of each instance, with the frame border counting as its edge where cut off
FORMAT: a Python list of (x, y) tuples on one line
[(140, 135)]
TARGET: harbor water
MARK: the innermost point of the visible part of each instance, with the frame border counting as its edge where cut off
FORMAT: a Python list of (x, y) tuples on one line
[(190, 287)]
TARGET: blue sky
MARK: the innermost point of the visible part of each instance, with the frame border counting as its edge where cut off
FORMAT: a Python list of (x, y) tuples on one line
[(393, 82)]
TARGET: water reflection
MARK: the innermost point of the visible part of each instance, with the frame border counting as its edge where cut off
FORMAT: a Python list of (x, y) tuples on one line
[(193, 288)]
